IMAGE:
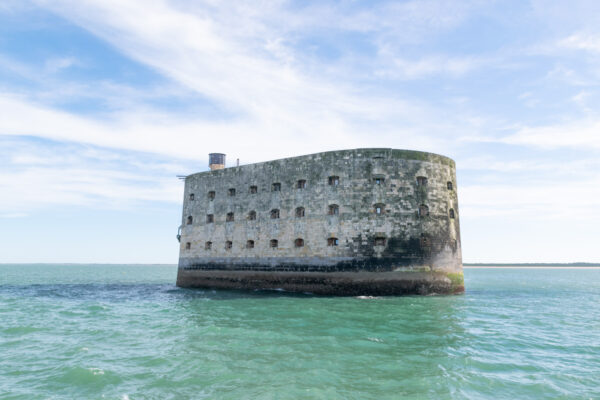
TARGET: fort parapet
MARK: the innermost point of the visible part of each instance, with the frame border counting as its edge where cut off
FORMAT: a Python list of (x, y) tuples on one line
[(351, 222)]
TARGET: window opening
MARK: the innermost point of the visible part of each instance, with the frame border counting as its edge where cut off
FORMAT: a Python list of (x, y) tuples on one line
[(229, 217), (451, 213), (379, 241), (252, 215), (299, 242), (332, 241), (207, 245), (274, 243), (211, 195), (276, 187), (250, 244), (231, 192), (379, 209), (333, 209), (188, 246), (253, 189), (423, 210), (301, 184), (299, 212), (333, 180), (190, 220), (449, 185), (274, 213), (192, 196), (378, 181), (210, 218), (228, 245), (421, 181)]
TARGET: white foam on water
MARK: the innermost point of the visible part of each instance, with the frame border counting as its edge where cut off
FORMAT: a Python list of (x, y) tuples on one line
[(376, 340), (96, 371)]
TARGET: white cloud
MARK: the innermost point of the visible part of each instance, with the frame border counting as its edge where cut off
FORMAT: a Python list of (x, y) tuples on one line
[(582, 41), (583, 134)]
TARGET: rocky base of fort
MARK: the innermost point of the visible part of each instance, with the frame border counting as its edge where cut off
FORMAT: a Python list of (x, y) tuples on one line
[(327, 283)]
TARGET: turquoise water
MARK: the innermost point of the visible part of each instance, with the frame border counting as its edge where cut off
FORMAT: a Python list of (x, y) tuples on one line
[(126, 332)]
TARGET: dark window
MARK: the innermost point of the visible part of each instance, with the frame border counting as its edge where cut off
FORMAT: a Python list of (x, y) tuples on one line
[(210, 218), (299, 242), (188, 246), (449, 185), (333, 209), (190, 220), (228, 245), (274, 243), (276, 187), (253, 189), (379, 209), (301, 184), (451, 212), (334, 180), (229, 217), (332, 241), (421, 181), (379, 241), (192, 196), (425, 243), (378, 181), (252, 215), (274, 213), (299, 212), (211, 195), (250, 244), (231, 192), (207, 245), (423, 210)]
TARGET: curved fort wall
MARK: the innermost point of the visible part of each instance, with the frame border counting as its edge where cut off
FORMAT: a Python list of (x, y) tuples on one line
[(363, 221)]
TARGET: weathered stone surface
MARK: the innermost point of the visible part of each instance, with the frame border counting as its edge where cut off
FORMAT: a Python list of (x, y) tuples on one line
[(412, 246)]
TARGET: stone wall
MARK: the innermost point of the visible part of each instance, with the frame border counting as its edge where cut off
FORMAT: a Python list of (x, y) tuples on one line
[(401, 237)]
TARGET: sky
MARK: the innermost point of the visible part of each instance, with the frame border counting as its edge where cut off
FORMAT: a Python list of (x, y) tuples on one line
[(104, 102)]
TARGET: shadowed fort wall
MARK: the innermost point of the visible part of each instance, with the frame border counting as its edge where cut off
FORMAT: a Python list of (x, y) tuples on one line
[(417, 229)]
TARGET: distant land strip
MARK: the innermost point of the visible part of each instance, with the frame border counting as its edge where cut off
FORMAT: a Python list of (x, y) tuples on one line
[(574, 264)]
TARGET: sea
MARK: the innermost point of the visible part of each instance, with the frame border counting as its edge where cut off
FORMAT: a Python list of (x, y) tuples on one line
[(127, 332)]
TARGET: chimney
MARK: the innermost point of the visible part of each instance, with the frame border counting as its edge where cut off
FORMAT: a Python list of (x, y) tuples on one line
[(216, 161)]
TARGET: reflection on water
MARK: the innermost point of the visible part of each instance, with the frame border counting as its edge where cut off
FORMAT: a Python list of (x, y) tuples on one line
[(115, 331)]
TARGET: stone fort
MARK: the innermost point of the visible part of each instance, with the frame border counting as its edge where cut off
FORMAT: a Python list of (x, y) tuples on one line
[(370, 221)]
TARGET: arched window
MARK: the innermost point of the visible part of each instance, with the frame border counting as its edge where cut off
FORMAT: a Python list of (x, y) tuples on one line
[(379, 241), (276, 187), (423, 210), (229, 217), (211, 195), (333, 180), (210, 218), (253, 189), (299, 212), (332, 241), (299, 242), (421, 181), (451, 213), (379, 208), (228, 245), (252, 215), (274, 243), (207, 245), (231, 192), (449, 185), (190, 220), (192, 196), (188, 246), (274, 213), (301, 184), (250, 244), (333, 209)]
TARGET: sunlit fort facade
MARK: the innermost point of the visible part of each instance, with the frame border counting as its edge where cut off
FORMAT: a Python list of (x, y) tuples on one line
[(370, 221)]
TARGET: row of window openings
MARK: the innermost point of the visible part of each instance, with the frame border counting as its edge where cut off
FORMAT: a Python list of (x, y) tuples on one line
[(274, 243), (333, 209), (301, 184)]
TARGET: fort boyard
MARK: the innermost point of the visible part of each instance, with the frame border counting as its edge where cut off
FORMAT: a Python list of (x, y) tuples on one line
[(350, 222)]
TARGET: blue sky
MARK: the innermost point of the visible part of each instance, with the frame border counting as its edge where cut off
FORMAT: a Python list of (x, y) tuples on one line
[(102, 103)]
